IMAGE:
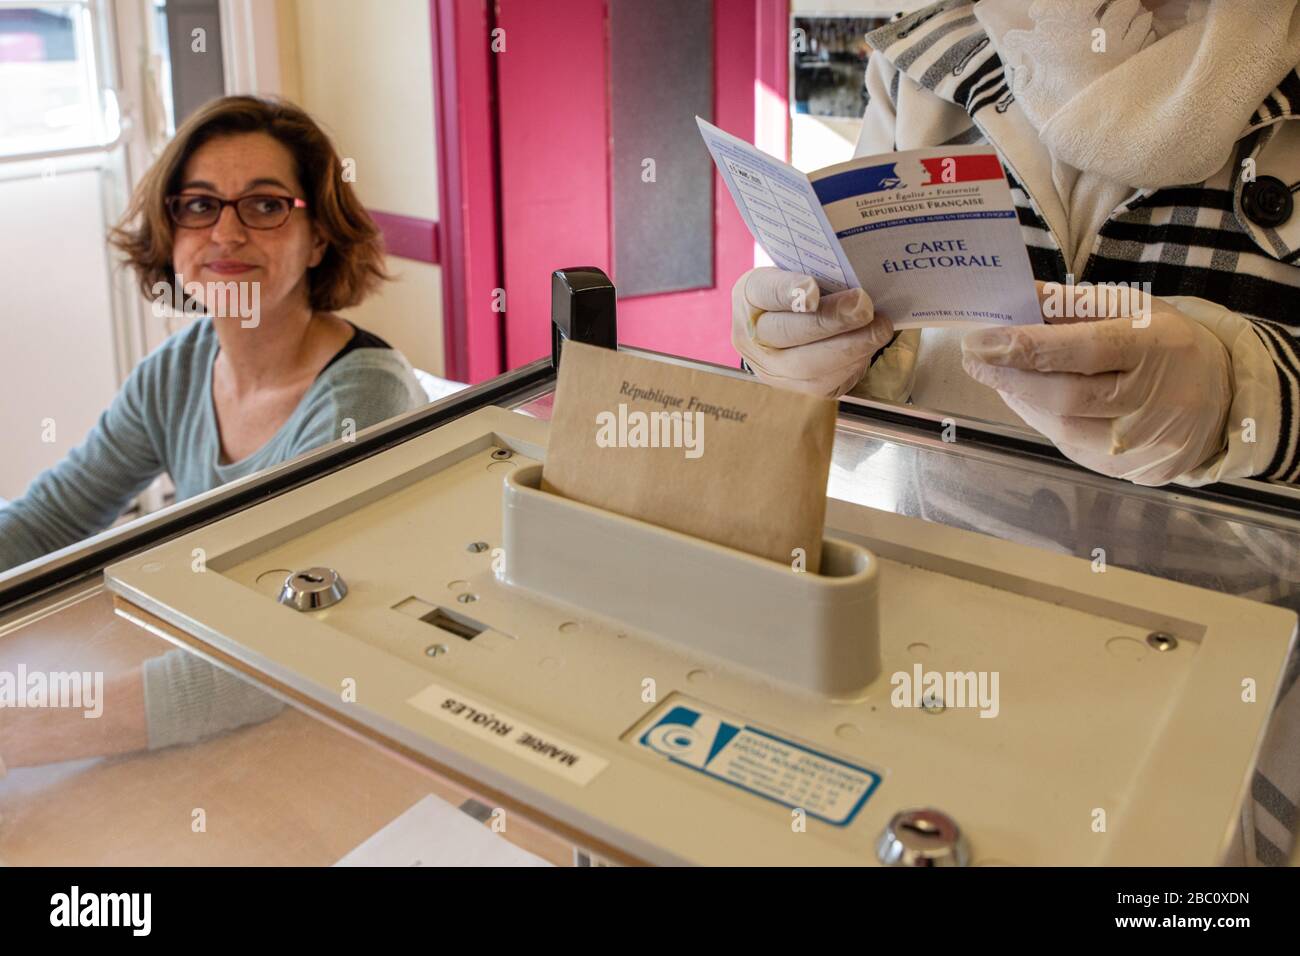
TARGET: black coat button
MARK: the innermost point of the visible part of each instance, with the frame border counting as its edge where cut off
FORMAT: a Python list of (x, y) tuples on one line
[(1267, 202)]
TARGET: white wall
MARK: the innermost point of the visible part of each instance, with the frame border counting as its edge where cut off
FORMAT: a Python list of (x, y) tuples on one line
[(57, 361), (365, 71)]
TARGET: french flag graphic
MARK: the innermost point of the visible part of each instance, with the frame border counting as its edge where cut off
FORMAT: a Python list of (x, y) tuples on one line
[(908, 174), (961, 169)]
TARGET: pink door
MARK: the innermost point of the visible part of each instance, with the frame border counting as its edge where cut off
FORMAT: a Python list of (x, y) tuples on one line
[(600, 164)]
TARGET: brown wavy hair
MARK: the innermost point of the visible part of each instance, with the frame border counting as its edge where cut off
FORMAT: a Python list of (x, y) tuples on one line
[(353, 264)]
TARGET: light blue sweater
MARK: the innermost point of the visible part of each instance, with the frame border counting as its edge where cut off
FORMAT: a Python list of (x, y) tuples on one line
[(163, 420)]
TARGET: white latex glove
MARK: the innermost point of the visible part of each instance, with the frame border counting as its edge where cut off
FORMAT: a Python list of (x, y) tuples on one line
[(794, 337), (1142, 403)]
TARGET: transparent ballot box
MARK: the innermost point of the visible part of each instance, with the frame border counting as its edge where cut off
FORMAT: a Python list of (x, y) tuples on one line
[(1007, 660)]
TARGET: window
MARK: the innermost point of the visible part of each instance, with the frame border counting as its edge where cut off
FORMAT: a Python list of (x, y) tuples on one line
[(50, 95)]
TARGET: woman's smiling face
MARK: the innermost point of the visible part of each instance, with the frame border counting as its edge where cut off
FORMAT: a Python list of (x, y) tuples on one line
[(230, 167)]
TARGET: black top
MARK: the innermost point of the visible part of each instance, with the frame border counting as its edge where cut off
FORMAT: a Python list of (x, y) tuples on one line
[(361, 339)]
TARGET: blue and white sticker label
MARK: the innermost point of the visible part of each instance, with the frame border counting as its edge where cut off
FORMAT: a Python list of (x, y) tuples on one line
[(694, 735)]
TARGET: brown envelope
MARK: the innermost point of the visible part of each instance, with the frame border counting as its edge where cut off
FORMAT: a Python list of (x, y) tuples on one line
[(728, 460)]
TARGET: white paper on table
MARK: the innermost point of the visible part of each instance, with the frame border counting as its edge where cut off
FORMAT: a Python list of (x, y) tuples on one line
[(932, 235), (434, 833)]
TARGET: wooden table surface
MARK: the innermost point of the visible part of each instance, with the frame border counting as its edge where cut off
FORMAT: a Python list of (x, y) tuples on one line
[(291, 791)]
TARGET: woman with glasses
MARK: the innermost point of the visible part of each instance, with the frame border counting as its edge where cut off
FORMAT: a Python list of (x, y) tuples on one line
[(245, 219)]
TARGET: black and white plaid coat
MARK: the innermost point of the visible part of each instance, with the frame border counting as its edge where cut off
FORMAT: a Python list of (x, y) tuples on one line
[(1188, 240), (945, 85)]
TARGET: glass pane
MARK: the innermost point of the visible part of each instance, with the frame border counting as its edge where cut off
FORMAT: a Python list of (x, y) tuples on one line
[(158, 28), (49, 95), (828, 63)]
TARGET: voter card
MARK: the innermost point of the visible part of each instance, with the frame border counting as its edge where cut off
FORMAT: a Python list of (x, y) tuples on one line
[(781, 209), (932, 235)]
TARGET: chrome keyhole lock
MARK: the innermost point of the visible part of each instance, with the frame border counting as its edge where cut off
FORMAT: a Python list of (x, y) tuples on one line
[(313, 589), (925, 837)]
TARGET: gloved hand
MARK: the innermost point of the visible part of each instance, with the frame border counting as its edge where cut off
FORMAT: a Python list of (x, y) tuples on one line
[(794, 337), (1143, 402)]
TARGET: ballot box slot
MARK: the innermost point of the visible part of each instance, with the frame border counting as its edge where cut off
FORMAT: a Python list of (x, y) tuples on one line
[(729, 604)]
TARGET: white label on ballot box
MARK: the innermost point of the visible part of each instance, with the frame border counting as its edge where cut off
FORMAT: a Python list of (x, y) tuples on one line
[(697, 736), (538, 747)]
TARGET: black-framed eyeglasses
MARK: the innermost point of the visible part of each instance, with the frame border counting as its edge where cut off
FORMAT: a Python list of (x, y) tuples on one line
[(199, 210)]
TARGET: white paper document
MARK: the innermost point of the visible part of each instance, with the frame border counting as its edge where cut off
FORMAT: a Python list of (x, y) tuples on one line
[(931, 234), (434, 833)]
